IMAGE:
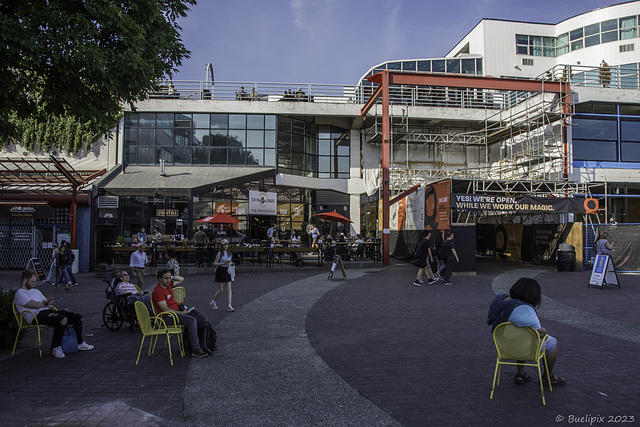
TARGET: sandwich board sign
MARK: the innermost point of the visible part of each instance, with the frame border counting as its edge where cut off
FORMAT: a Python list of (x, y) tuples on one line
[(36, 266), (604, 272)]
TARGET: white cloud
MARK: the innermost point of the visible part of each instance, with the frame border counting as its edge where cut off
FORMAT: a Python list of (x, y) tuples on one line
[(296, 6)]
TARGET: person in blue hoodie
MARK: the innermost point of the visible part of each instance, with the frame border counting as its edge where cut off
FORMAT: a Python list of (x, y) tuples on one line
[(519, 307)]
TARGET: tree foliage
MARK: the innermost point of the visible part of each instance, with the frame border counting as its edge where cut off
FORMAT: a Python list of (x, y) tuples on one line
[(69, 66)]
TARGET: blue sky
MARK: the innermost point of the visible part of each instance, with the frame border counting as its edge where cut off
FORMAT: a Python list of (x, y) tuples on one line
[(336, 41)]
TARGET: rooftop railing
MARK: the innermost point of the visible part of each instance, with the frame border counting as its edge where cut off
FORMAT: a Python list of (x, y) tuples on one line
[(614, 77)]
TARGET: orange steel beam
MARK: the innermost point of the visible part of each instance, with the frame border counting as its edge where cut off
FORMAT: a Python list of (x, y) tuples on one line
[(386, 159), (404, 194), (372, 100), (470, 82)]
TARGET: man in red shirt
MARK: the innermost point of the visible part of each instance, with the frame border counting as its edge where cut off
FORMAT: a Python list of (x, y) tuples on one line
[(163, 300)]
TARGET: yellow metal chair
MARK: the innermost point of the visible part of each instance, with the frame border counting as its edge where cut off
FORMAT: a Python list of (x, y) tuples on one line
[(154, 326), (179, 293), (22, 325), (519, 346)]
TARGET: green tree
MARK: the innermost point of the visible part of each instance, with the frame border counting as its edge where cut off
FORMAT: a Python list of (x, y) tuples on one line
[(69, 66)]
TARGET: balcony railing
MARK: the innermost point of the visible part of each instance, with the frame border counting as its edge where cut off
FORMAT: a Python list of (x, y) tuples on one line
[(614, 77)]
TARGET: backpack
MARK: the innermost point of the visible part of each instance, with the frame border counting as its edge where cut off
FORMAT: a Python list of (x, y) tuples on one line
[(299, 262), (207, 337)]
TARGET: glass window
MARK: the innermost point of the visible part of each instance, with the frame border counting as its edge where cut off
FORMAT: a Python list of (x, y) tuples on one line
[(409, 65), (165, 137), (424, 66), (592, 40), (343, 164), (585, 107), (130, 120), (146, 156), (324, 164), (255, 121), (343, 150), (219, 121), (394, 66), (611, 36), (628, 27), (182, 156), (284, 143), (219, 156), (297, 143), (130, 136), (576, 34), (237, 121), (535, 48), (603, 128), (522, 39), (237, 138), (479, 66), (577, 44), (592, 29), (269, 157), (164, 153), (453, 66), (201, 121), (284, 124), (298, 126), (255, 138), (630, 151), (630, 110), (255, 157), (165, 120), (630, 130), (220, 138), (183, 120), (183, 137), (595, 150), (146, 137), (325, 147), (130, 155), (146, 120), (270, 122), (522, 50), (270, 139), (437, 66), (605, 109), (201, 155), (201, 137), (629, 76), (609, 25), (562, 39)]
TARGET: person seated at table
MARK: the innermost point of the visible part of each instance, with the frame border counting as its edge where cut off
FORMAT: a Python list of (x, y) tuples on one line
[(294, 239), (274, 241), (124, 287), (241, 237), (342, 248), (173, 265), (135, 241)]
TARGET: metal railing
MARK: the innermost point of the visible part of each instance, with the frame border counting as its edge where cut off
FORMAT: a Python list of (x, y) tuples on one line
[(614, 77)]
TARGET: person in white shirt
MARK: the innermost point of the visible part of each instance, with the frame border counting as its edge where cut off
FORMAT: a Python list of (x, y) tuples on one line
[(129, 289), (30, 302), (137, 263)]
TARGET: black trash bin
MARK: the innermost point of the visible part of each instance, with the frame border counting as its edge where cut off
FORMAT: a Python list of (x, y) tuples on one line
[(566, 257)]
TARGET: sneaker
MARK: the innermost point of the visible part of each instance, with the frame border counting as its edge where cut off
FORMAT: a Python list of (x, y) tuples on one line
[(57, 352), (447, 283), (417, 283), (432, 281), (230, 308), (420, 281), (84, 346), (197, 352), (74, 284), (213, 305)]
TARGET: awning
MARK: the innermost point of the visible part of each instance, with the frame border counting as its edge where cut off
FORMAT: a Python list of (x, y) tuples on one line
[(179, 180)]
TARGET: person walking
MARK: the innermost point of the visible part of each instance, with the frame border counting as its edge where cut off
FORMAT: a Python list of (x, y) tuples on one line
[(449, 254), (222, 263), (69, 258), (61, 268), (424, 257), (200, 238), (137, 263)]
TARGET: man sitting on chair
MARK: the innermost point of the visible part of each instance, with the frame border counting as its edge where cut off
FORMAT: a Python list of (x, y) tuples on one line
[(132, 293), (164, 300), (29, 300)]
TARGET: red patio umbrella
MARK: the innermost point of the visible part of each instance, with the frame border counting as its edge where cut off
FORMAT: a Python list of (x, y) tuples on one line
[(333, 217), (220, 218)]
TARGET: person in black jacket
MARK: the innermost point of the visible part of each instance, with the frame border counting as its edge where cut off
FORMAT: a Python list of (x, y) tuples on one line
[(61, 268), (69, 258), (424, 257)]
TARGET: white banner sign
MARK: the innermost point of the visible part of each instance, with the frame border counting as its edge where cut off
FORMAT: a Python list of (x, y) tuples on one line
[(262, 203)]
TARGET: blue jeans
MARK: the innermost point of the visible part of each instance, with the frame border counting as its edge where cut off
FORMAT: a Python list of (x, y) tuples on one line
[(70, 275), (191, 322), (61, 276), (52, 273)]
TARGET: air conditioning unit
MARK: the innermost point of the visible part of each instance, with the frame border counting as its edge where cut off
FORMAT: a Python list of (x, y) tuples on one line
[(109, 202), (627, 47)]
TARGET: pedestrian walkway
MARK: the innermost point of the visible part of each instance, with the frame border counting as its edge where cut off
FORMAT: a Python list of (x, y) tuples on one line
[(303, 350)]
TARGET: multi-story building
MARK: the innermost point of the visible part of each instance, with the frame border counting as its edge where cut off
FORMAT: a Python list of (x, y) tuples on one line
[(309, 146)]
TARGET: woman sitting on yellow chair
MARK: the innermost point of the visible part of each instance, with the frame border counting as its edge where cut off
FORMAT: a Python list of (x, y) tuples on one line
[(519, 308)]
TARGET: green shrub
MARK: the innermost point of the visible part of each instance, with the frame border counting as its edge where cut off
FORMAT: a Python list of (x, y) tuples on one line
[(8, 322)]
